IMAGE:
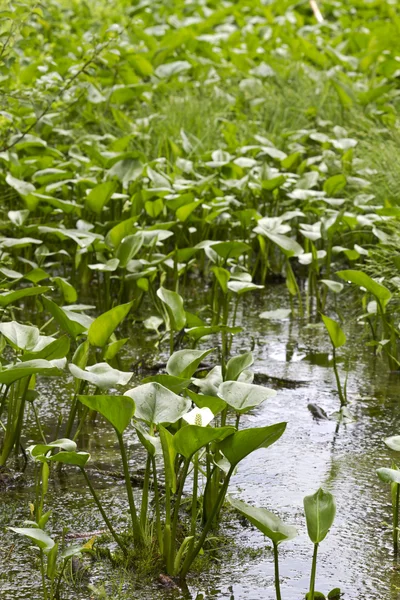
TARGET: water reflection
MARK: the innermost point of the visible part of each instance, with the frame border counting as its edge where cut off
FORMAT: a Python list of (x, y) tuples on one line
[(295, 359)]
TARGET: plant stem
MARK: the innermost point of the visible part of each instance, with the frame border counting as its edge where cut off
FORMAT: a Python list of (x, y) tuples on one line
[(39, 426), (71, 416), (396, 520), (137, 530), (277, 582), (192, 555), (21, 412), (167, 530), (176, 508), (194, 497), (81, 422), (157, 505), (145, 495), (313, 573), (343, 400), (43, 575), (102, 511)]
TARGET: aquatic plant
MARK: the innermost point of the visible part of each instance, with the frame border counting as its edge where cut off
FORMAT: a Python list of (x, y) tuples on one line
[(391, 476), (320, 511), (272, 527), (338, 339)]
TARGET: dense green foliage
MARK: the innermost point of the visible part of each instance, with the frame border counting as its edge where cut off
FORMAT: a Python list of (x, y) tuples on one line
[(149, 145)]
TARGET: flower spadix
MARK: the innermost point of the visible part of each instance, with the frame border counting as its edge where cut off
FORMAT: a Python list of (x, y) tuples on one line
[(199, 416)]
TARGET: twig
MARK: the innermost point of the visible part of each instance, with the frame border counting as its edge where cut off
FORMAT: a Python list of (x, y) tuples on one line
[(316, 11)]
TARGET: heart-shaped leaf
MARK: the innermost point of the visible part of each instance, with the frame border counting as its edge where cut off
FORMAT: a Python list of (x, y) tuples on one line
[(215, 404), (7, 298), (320, 510), (184, 363), (191, 438), (363, 280), (156, 405), (268, 523), (15, 372), (36, 535), (77, 459), (393, 442), (389, 475), (244, 396), (174, 305), (336, 333), (101, 375), (102, 327), (118, 410), (242, 443), (175, 384)]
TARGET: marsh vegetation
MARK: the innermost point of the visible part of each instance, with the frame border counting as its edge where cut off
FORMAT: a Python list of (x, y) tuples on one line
[(199, 303)]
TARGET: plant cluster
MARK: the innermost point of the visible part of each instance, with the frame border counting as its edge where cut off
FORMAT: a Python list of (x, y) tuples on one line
[(164, 145)]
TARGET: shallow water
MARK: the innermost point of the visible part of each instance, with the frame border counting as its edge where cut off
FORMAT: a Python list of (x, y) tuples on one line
[(356, 556)]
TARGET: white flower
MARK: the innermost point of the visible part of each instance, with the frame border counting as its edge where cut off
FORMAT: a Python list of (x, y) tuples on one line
[(199, 416)]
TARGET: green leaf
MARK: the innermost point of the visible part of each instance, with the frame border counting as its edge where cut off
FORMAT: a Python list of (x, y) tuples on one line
[(289, 246), (184, 363), (15, 372), (244, 396), (115, 236), (100, 195), (389, 475), (191, 438), (101, 375), (118, 410), (151, 443), (174, 304), (78, 459), (242, 443), (22, 337), (57, 349), (363, 280), (68, 291), (102, 327), (268, 523), (223, 276), (128, 248), (320, 510), (237, 364), (335, 184), (81, 355), (36, 535), (214, 403), (196, 333), (169, 455), (22, 187), (65, 319), (241, 287), (336, 333), (228, 250), (156, 405), (7, 298), (41, 449), (174, 384), (52, 562), (393, 442), (113, 348), (334, 286)]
